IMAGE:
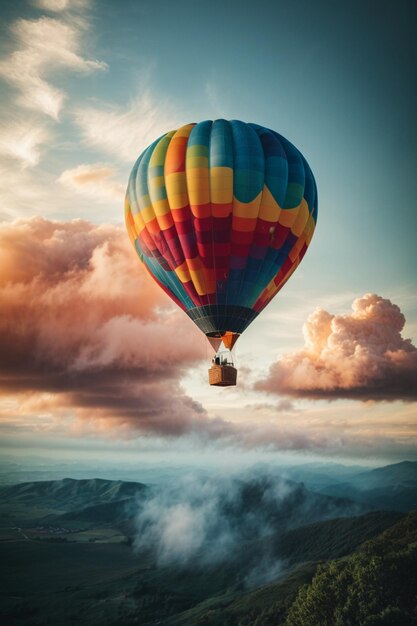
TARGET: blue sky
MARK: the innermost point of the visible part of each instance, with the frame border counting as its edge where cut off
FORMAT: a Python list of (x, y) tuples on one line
[(86, 86)]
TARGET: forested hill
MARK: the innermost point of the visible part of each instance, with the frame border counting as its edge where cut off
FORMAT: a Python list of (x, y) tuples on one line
[(376, 586), (71, 494)]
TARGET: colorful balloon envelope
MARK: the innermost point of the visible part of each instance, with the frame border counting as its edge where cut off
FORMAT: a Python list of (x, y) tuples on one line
[(221, 213)]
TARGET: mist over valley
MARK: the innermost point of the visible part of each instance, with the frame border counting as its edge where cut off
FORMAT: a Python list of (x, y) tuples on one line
[(195, 549)]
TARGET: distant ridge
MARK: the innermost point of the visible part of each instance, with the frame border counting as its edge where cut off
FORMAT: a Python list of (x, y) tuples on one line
[(392, 487), (405, 471), (72, 494)]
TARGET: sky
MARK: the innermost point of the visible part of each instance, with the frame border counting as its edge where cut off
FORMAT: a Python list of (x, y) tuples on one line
[(95, 361)]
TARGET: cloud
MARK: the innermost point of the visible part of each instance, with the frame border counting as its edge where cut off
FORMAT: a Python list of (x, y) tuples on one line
[(84, 330), (57, 6), (42, 49), (126, 132), (23, 140), (210, 519), (361, 355), (23, 189), (284, 405), (90, 346), (95, 180), (44, 46)]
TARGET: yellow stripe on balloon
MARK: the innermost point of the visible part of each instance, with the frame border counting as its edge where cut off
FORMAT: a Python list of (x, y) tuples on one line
[(196, 162), (198, 185), (198, 278), (165, 221), (269, 209), (159, 151), (288, 216), (147, 213), (156, 182), (143, 201), (311, 225), (302, 218), (183, 273), (296, 249), (130, 224), (184, 131), (198, 150), (247, 210), (176, 186), (139, 223), (221, 185), (161, 207)]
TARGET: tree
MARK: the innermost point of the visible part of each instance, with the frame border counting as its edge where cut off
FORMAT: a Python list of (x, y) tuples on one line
[(374, 587)]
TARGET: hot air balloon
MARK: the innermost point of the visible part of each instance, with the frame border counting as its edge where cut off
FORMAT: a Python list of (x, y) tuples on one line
[(221, 213)]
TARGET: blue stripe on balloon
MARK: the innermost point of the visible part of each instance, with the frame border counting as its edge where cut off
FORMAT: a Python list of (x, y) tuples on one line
[(221, 144), (200, 134), (248, 162)]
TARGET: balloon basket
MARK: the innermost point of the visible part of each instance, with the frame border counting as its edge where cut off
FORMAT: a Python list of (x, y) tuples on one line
[(222, 375)]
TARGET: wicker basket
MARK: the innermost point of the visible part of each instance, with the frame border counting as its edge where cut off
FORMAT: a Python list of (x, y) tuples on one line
[(222, 375)]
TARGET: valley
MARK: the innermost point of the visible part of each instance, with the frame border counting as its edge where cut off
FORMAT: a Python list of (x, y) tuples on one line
[(96, 551)]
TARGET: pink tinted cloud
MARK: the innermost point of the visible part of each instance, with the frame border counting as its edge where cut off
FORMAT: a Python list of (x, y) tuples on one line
[(83, 327), (360, 355)]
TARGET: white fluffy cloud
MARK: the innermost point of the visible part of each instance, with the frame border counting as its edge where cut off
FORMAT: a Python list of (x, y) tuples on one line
[(57, 6), (44, 46), (23, 140), (84, 329), (39, 50), (360, 355), (125, 131), (96, 180)]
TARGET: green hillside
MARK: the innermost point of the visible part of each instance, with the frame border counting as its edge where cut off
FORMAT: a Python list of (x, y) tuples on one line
[(71, 494), (376, 586), (68, 556), (107, 513), (331, 539), (298, 551)]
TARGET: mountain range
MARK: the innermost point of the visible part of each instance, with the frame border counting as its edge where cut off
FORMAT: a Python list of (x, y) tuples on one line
[(193, 552)]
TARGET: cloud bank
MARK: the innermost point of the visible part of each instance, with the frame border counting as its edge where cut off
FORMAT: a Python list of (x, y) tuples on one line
[(90, 345), (224, 518), (83, 328), (361, 355)]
